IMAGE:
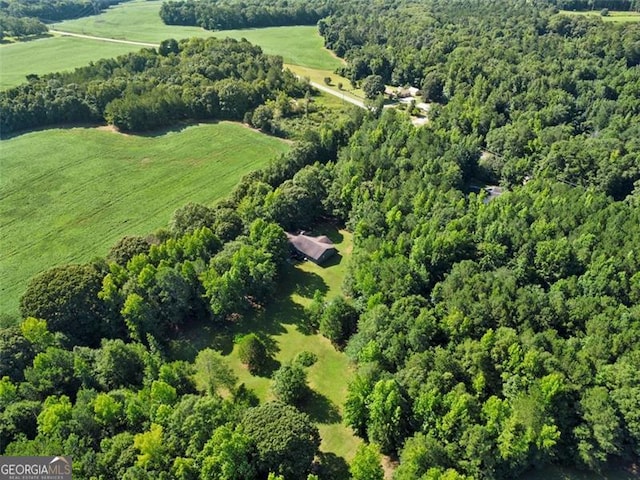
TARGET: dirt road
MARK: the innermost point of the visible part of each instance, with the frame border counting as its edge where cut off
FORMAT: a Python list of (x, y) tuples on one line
[(102, 39)]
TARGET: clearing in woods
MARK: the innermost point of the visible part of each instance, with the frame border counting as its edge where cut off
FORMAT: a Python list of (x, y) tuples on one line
[(284, 326), (613, 17)]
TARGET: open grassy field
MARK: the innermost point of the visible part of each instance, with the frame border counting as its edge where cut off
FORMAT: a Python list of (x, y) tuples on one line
[(318, 76), (282, 324), (615, 17), (139, 21), (52, 54), (67, 195), (301, 45)]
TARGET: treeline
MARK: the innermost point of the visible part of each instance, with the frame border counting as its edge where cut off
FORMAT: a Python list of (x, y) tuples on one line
[(493, 336), (226, 15), (20, 27), (546, 93), (54, 10), (191, 79)]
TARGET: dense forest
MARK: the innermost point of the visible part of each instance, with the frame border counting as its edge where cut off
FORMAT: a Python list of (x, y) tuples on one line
[(491, 336), (226, 15), (547, 94)]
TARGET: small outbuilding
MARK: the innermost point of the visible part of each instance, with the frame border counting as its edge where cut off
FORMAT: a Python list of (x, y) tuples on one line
[(317, 249)]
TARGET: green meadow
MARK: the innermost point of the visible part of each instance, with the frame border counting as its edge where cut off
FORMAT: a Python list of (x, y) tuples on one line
[(67, 195), (300, 45), (52, 54), (138, 21)]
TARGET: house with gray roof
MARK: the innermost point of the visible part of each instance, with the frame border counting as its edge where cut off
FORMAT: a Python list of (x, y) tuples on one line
[(317, 249)]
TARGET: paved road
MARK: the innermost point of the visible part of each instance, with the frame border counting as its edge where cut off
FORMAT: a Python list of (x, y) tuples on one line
[(103, 39), (320, 87)]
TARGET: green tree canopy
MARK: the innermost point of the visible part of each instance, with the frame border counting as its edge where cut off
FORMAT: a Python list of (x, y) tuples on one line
[(286, 439)]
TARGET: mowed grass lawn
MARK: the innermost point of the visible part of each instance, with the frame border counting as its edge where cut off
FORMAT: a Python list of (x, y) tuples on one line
[(283, 325), (67, 195), (52, 54)]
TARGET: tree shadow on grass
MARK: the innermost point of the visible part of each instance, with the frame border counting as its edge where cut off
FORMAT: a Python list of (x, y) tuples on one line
[(266, 321), (303, 283), (267, 368), (329, 465), (320, 408)]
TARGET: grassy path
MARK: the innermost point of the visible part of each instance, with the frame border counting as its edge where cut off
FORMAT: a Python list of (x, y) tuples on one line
[(102, 39)]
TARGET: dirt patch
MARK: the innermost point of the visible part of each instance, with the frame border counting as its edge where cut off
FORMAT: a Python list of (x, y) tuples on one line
[(112, 129), (389, 466)]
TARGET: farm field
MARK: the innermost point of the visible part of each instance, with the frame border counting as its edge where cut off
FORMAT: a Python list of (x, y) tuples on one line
[(283, 324), (138, 21), (52, 54), (300, 45), (67, 195), (614, 17)]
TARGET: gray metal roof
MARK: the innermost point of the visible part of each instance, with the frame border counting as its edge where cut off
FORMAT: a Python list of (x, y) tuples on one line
[(312, 247)]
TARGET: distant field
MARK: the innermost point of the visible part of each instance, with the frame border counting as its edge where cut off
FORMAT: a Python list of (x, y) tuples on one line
[(617, 17), (139, 21), (52, 54), (297, 45), (67, 195)]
